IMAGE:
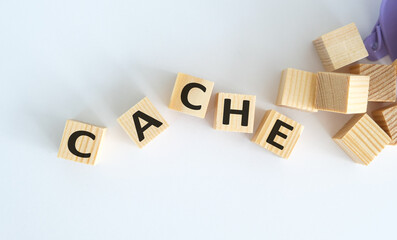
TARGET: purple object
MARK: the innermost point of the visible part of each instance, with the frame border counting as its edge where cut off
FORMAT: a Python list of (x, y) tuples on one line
[(383, 38)]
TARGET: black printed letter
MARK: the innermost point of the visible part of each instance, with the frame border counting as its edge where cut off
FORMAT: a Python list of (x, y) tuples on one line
[(244, 112), (151, 121), (72, 143), (185, 92), (275, 132)]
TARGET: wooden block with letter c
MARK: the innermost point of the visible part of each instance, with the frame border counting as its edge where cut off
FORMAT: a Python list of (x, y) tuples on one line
[(81, 142), (191, 95)]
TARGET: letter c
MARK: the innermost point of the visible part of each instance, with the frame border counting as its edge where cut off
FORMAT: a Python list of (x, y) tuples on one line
[(72, 143), (185, 92)]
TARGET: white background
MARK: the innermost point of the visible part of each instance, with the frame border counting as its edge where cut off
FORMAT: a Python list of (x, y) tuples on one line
[(92, 60)]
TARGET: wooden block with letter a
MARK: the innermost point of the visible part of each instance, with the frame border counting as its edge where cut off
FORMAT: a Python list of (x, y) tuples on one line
[(297, 90), (342, 93), (235, 112), (81, 142), (142, 122), (386, 118), (278, 133), (382, 83), (340, 47), (191, 95), (362, 139)]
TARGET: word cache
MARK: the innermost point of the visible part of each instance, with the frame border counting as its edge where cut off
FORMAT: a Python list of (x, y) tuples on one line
[(362, 138)]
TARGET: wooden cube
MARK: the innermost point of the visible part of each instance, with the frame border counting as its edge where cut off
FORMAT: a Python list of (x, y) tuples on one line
[(342, 93), (278, 133), (386, 118), (235, 112), (191, 95), (297, 90), (340, 47), (362, 139), (142, 122), (80, 142), (382, 83)]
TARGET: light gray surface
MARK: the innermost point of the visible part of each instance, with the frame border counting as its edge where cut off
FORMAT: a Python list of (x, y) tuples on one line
[(92, 60)]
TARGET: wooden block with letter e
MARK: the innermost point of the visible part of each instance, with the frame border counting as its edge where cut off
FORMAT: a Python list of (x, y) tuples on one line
[(386, 118), (382, 83), (297, 90), (142, 122), (340, 47), (362, 139), (81, 142), (342, 93), (191, 95), (235, 112), (278, 133)]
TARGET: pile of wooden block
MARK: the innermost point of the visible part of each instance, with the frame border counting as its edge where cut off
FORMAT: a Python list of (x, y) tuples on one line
[(362, 138), (347, 93)]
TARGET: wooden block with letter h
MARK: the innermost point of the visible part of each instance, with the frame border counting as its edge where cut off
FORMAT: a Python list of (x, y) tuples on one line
[(297, 90), (278, 133), (235, 112), (81, 142), (362, 139), (342, 93), (340, 47), (142, 122), (191, 95), (386, 118), (382, 83)]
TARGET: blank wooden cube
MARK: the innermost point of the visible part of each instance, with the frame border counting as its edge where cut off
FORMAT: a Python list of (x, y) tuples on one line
[(382, 83), (340, 47), (81, 142), (362, 139), (297, 90), (235, 112), (386, 118), (142, 122), (278, 133), (191, 95), (342, 93)]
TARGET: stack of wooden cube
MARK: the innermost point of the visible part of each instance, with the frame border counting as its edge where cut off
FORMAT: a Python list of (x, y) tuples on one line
[(363, 137)]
